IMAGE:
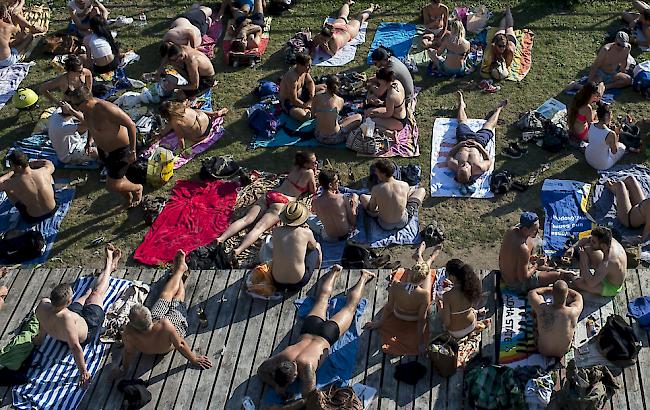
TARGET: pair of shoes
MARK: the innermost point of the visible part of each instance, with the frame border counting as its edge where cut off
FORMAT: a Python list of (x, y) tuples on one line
[(433, 234), (512, 153), (487, 87)]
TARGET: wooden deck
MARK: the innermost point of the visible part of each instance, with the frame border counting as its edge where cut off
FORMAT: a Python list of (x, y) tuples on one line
[(242, 332)]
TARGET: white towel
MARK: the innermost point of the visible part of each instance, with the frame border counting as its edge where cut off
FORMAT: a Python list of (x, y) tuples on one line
[(442, 179), (345, 54), (10, 79)]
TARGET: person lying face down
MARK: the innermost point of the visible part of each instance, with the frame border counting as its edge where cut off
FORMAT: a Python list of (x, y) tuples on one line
[(248, 29), (332, 37), (555, 322)]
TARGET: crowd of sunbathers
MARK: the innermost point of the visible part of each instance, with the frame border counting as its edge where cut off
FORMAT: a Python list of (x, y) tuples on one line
[(85, 127)]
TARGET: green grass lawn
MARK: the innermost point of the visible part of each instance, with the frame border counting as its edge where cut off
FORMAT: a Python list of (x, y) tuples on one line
[(566, 42)]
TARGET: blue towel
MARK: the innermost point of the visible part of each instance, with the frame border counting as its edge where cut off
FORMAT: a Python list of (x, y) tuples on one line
[(564, 202), (398, 37), (282, 139), (54, 383), (609, 96), (10, 219), (377, 237), (341, 361), (39, 146)]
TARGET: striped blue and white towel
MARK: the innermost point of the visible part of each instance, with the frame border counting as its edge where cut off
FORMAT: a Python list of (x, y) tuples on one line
[(55, 380)]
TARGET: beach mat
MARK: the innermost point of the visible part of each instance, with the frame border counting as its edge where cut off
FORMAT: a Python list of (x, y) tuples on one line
[(397, 37), (10, 79), (195, 215), (170, 141), (10, 219), (39, 146), (443, 140), (282, 138), (565, 206), (259, 52), (210, 39), (54, 383), (345, 54), (523, 58), (403, 143)]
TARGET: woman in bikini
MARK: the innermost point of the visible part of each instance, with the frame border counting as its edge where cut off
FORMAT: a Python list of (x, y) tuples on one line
[(393, 115), (188, 123), (436, 17), (335, 36), (454, 48), (75, 77), (456, 309), (632, 205), (504, 44), (331, 128), (581, 114), (301, 180), (102, 53)]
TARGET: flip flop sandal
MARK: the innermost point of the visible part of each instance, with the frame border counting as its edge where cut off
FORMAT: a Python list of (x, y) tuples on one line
[(518, 186)]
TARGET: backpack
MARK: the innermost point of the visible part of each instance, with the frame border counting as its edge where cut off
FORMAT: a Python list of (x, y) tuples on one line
[(501, 182), (362, 257), (21, 248), (618, 342), (531, 121), (218, 168), (555, 137), (641, 83), (263, 123), (266, 88), (299, 43)]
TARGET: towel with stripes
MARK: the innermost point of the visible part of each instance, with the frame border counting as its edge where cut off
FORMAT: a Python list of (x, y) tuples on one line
[(55, 378)]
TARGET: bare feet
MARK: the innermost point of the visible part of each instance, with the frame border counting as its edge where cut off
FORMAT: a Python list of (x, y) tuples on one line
[(3, 294), (368, 275), (179, 263), (114, 254), (222, 112), (420, 251), (137, 197)]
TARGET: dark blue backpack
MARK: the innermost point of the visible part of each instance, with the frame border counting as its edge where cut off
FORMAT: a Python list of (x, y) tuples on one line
[(642, 83), (263, 123)]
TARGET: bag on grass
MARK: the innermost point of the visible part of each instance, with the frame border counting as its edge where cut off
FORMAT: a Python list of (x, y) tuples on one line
[(531, 121), (443, 353), (641, 83), (23, 246), (263, 123), (618, 342), (299, 43), (160, 167), (218, 168), (362, 144), (501, 182)]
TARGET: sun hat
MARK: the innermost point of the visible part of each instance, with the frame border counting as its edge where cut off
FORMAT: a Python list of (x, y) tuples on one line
[(528, 219), (294, 214)]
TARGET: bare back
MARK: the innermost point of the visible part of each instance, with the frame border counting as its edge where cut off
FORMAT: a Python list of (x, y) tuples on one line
[(33, 189), (555, 329), (192, 125), (616, 264), (408, 305), (157, 340), (326, 109), (60, 325), (391, 197), (332, 210), (289, 249)]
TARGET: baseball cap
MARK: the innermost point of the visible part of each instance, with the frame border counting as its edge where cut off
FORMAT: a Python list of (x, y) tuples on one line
[(528, 219), (622, 39)]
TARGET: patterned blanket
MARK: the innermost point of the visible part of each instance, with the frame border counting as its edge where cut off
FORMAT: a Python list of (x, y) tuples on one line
[(523, 59)]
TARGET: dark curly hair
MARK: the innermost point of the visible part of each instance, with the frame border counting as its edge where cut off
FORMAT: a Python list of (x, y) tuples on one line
[(470, 284)]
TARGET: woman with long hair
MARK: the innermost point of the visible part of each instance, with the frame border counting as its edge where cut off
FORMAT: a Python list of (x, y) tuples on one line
[(581, 113), (452, 55), (102, 53), (331, 128), (265, 212), (75, 76), (393, 115)]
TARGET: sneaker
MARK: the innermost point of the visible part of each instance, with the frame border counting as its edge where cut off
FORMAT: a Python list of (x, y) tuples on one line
[(511, 153), (517, 147), (487, 87)]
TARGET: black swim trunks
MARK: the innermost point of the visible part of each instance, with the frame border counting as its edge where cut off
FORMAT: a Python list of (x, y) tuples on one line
[(482, 136), (208, 128), (205, 83), (116, 162), (94, 317), (256, 18), (198, 19), (327, 329), (22, 209), (103, 69)]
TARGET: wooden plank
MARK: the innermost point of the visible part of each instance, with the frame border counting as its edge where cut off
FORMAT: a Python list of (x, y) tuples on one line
[(14, 297), (388, 390), (643, 275), (619, 401), (225, 302)]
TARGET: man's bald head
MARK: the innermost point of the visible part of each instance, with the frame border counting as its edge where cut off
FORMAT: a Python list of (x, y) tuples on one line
[(560, 291)]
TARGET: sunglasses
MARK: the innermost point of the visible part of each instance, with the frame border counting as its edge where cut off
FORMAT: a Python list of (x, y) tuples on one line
[(501, 46)]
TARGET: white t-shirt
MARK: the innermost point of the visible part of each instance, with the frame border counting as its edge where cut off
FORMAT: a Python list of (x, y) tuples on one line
[(69, 145)]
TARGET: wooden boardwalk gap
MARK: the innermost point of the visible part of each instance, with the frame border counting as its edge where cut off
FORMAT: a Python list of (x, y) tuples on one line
[(242, 332)]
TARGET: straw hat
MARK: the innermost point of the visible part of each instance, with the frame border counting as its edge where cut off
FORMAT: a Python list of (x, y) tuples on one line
[(294, 214)]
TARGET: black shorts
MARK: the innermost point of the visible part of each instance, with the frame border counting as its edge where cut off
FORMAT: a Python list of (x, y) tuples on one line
[(482, 136), (205, 83), (116, 162), (209, 127), (198, 19), (94, 317), (103, 69), (22, 209), (257, 19), (294, 287), (327, 329)]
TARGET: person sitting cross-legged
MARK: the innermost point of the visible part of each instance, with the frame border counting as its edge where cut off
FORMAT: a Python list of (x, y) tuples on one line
[(336, 211), (163, 328)]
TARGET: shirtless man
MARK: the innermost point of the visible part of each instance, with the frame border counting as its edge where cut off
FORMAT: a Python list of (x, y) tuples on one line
[(188, 123), (336, 211), (192, 64), (16, 10), (639, 23), (436, 17), (520, 268), (296, 254), (409, 299), (115, 135), (82, 10), (610, 65), (317, 335), (77, 324), (469, 158), (12, 41), (163, 328), (30, 187), (393, 202), (632, 209), (336, 35), (237, 8), (605, 256), (555, 321), (248, 30), (297, 89), (189, 28)]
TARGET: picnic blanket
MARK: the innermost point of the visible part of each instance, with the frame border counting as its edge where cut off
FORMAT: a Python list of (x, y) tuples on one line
[(228, 38), (281, 138), (516, 336), (565, 206), (341, 360), (170, 141), (400, 337), (397, 37), (10, 219), (39, 146), (195, 215), (345, 54), (523, 58), (54, 383), (442, 178), (209, 39), (403, 143), (10, 79)]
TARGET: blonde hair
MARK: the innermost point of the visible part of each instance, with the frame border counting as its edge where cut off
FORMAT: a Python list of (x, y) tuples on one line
[(419, 272), (457, 31)]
